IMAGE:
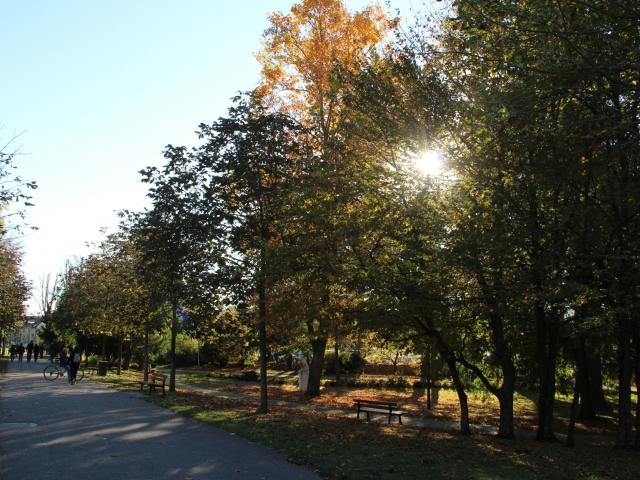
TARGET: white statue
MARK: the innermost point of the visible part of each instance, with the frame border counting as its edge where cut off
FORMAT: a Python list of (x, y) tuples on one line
[(303, 374)]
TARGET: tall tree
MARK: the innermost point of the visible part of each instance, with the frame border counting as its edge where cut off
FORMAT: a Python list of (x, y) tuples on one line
[(248, 162), (302, 51), (14, 287), (174, 239), (548, 102)]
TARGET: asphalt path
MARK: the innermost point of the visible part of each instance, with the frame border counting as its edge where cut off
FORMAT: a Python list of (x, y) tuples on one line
[(53, 430)]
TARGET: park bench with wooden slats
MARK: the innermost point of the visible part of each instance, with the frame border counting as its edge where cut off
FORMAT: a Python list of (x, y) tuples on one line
[(155, 380), (373, 406)]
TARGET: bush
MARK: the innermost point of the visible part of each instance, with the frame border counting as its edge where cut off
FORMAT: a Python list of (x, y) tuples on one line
[(94, 359), (186, 352), (211, 354), (249, 375), (397, 382), (349, 362)]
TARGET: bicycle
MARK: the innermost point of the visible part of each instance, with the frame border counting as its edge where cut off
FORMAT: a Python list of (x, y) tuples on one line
[(52, 372)]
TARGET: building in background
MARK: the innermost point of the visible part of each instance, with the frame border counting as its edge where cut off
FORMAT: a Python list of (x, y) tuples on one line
[(27, 332)]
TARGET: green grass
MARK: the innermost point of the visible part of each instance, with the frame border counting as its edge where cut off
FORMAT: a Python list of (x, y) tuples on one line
[(4, 363), (344, 448)]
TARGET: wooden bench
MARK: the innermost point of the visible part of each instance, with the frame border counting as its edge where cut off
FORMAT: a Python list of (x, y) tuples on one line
[(155, 380), (373, 406)]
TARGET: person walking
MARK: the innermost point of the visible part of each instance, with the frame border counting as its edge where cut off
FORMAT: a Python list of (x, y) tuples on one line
[(13, 350), (36, 352), (64, 361), (20, 352), (29, 351), (76, 358)]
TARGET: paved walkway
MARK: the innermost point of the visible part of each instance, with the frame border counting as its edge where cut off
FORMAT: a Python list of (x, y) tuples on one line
[(52, 430)]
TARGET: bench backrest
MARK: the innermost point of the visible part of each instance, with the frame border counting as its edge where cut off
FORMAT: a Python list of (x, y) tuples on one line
[(374, 403), (157, 377)]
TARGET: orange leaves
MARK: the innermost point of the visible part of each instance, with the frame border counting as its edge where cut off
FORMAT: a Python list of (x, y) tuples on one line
[(303, 48)]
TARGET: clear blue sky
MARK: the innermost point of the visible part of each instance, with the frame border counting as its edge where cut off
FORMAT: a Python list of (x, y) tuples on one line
[(100, 87)]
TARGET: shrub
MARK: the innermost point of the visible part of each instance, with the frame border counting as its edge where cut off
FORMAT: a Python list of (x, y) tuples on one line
[(249, 375), (397, 382), (212, 354), (349, 363), (186, 351), (94, 359)]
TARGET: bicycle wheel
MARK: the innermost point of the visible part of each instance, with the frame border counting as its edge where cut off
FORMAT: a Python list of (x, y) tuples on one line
[(51, 372), (80, 374)]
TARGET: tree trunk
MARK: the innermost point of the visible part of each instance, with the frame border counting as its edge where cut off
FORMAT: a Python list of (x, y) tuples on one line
[(3, 341), (336, 354), (624, 433), (636, 345), (86, 351), (119, 354), (262, 330), (318, 346), (578, 387), (449, 357), (145, 358), (128, 355), (546, 400), (506, 391), (506, 427), (289, 365), (587, 408), (174, 334), (425, 365), (596, 389), (465, 428), (547, 358)]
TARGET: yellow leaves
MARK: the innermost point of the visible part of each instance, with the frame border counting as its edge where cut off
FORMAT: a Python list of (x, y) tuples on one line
[(302, 49)]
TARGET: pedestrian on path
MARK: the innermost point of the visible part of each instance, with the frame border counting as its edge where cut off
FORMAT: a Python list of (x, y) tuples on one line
[(13, 351), (29, 351), (64, 361), (76, 358), (36, 352), (20, 352)]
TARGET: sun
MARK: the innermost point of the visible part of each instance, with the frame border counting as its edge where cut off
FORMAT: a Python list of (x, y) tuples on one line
[(430, 162)]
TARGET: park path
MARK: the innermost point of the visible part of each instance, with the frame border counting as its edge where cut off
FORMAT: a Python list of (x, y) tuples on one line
[(53, 430)]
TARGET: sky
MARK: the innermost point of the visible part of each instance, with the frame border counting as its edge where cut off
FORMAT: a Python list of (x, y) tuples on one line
[(97, 89)]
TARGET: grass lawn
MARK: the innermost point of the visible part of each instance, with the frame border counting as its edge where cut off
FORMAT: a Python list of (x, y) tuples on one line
[(483, 408), (345, 448)]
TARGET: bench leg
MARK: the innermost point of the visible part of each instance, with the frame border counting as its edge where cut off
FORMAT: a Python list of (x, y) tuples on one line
[(400, 419), (368, 417)]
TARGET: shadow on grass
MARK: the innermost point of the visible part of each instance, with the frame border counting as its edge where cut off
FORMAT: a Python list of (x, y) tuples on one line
[(340, 448)]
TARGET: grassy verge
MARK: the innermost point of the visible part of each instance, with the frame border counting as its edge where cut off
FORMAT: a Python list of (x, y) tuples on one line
[(344, 448), (4, 363)]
